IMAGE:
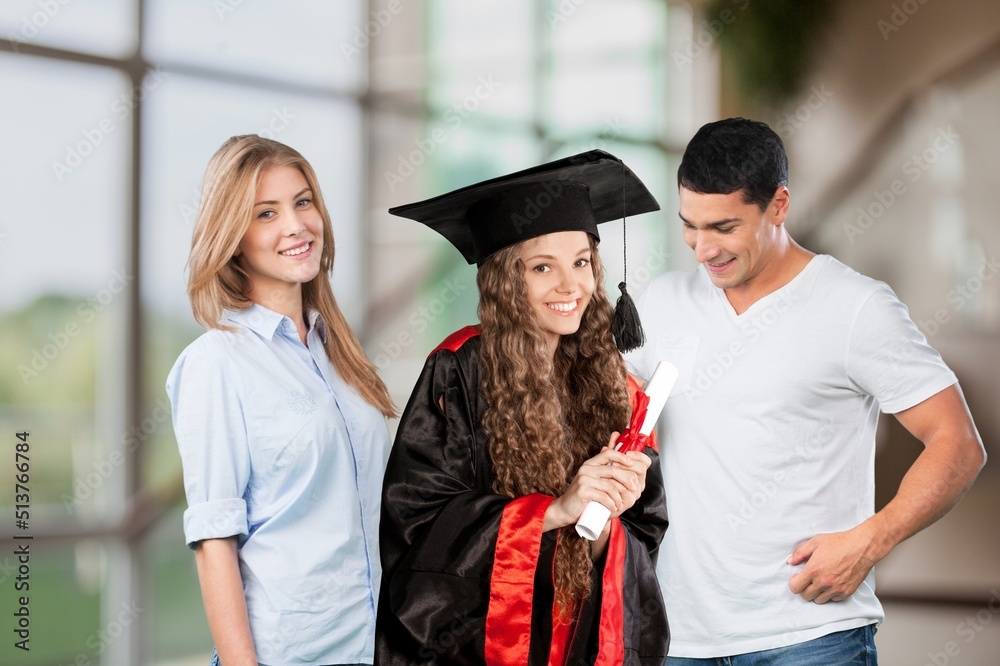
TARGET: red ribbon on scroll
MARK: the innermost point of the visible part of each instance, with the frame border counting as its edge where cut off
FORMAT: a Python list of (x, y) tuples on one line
[(631, 439)]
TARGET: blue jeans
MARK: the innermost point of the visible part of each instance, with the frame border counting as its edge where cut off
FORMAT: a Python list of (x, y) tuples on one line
[(854, 647)]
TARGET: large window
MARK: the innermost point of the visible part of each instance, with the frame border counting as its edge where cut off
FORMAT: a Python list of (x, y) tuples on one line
[(111, 112)]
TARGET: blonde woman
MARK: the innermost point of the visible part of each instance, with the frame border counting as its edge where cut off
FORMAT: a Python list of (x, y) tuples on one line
[(505, 441), (280, 421)]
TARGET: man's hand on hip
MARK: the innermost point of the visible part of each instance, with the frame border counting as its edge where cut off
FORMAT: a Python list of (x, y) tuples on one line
[(835, 564)]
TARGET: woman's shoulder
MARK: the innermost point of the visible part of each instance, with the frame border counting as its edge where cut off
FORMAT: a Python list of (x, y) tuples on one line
[(457, 356), (458, 340), (216, 342), (461, 348), (210, 352)]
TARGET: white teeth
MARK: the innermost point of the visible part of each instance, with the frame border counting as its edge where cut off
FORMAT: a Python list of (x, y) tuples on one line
[(562, 307), (298, 250)]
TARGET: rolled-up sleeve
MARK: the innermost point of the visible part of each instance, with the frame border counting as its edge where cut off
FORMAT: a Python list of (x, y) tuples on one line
[(212, 438)]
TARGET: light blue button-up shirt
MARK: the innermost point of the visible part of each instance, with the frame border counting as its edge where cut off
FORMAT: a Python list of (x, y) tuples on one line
[(278, 449)]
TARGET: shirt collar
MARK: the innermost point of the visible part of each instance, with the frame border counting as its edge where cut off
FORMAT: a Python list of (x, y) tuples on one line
[(257, 318), (265, 322), (316, 322)]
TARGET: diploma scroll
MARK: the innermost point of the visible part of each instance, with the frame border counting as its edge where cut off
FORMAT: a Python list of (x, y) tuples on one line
[(648, 407)]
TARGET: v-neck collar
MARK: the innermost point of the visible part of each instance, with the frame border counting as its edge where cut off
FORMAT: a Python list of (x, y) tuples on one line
[(766, 299)]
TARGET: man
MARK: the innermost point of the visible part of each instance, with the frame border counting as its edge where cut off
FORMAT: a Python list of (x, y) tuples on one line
[(786, 358)]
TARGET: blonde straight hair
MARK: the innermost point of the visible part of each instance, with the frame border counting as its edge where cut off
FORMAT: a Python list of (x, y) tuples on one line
[(217, 282)]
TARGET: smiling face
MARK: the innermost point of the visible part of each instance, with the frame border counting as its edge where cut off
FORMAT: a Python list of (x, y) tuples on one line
[(559, 281), (282, 247), (735, 240)]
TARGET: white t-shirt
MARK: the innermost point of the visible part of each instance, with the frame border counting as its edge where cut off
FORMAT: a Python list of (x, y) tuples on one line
[(769, 439)]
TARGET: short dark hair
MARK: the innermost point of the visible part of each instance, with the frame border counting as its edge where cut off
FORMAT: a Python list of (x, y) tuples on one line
[(732, 155)]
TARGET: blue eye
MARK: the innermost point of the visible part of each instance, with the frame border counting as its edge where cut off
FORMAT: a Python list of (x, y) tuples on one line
[(303, 202), (265, 215)]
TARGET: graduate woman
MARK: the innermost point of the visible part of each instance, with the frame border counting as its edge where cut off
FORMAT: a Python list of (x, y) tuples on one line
[(280, 421), (505, 441)]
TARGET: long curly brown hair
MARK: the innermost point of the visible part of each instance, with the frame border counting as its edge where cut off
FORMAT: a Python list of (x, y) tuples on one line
[(544, 417)]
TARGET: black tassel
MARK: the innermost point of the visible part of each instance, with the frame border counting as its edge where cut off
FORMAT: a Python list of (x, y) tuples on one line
[(625, 325)]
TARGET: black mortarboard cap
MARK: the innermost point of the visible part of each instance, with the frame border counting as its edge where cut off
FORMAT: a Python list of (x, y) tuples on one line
[(571, 194)]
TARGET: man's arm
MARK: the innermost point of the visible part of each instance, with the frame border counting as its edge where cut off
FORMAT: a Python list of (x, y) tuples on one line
[(835, 564)]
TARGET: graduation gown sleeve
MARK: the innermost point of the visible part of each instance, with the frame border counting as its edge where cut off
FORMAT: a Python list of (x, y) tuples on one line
[(439, 523)]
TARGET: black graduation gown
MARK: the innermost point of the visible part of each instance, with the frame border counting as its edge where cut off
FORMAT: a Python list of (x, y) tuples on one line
[(467, 573)]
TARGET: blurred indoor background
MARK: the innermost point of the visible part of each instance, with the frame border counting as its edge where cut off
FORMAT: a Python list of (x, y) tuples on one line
[(111, 109)]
